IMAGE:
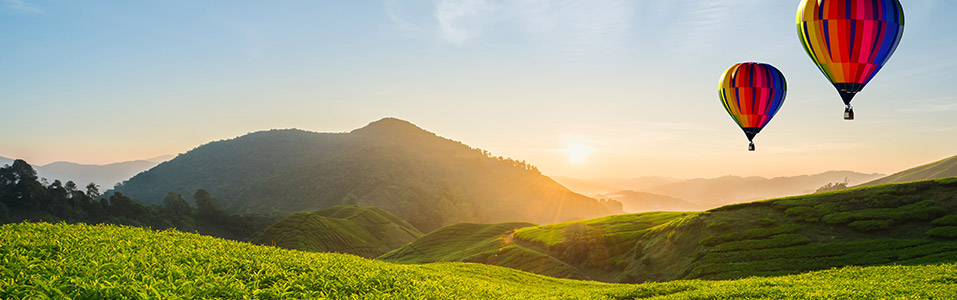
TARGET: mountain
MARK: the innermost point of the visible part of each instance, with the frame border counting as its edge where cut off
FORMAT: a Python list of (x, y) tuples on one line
[(893, 224), (939, 169), (392, 164), (715, 192), (598, 186), (364, 231), (141, 263), (104, 175), (633, 201)]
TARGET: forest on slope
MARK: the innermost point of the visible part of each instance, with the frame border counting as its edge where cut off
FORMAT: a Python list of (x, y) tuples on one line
[(392, 164)]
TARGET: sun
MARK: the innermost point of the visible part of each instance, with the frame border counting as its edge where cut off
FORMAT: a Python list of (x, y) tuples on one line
[(577, 150)]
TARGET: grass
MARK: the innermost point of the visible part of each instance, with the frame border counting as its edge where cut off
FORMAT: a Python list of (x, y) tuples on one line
[(62, 261), (889, 224), (364, 231)]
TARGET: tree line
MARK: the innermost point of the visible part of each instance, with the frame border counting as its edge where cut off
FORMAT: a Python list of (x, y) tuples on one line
[(25, 197)]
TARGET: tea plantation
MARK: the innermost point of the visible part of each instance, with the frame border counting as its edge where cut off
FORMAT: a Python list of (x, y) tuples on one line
[(62, 261)]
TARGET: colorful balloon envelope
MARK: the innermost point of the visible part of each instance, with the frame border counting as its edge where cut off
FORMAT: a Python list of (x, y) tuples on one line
[(850, 40), (752, 93)]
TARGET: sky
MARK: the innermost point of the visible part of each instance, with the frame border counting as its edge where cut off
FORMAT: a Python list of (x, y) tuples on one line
[(578, 88)]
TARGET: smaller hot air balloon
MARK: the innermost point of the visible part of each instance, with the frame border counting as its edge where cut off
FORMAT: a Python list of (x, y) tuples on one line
[(752, 93)]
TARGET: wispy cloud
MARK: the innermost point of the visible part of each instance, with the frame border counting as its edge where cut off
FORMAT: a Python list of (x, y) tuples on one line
[(21, 6), (460, 20), (572, 22)]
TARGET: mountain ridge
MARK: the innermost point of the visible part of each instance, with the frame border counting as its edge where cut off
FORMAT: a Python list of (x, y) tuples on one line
[(943, 168), (428, 180)]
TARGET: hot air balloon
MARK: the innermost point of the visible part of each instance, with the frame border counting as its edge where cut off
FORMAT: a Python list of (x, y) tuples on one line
[(752, 93), (850, 40)]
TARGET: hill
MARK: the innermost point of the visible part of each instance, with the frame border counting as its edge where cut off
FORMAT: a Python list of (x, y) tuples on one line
[(364, 231), (481, 243), (103, 175), (911, 223), (633, 201), (69, 261), (939, 169), (715, 192), (392, 164)]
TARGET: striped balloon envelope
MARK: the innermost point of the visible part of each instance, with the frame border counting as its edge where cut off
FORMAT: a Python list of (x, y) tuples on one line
[(752, 93), (850, 40)]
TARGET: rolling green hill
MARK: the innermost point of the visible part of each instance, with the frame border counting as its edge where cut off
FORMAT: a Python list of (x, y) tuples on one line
[(939, 169), (364, 231), (425, 179), (911, 223), (42, 261), (481, 243)]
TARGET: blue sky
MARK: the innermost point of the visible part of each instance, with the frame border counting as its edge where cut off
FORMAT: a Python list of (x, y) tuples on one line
[(578, 88)]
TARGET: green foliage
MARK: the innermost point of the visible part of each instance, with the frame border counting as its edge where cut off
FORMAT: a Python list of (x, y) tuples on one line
[(749, 234), (392, 164), (948, 220), (870, 225), (948, 232), (44, 261), (363, 231), (25, 199), (780, 240)]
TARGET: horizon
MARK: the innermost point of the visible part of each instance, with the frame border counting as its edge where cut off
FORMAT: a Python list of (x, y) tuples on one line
[(584, 90)]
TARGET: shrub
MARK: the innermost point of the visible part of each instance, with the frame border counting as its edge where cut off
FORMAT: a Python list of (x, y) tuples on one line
[(948, 232), (870, 225), (765, 222), (777, 241), (948, 220)]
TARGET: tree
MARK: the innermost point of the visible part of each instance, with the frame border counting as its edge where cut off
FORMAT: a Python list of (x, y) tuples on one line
[(92, 190), (175, 205), (206, 205)]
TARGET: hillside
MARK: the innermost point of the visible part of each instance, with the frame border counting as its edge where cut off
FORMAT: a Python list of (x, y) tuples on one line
[(392, 164), (363, 231), (481, 243), (633, 201), (714, 192), (939, 169), (911, 223), (69, 261)]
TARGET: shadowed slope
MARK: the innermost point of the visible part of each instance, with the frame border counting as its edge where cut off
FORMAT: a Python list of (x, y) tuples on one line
[(363, 231)]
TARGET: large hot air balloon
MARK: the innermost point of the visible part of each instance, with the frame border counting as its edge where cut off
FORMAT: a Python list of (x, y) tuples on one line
[(850, 40), (752, 93)]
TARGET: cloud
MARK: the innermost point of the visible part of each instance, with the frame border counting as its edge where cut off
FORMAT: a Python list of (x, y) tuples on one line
[(19, 5), (460, 20), (570, 23)]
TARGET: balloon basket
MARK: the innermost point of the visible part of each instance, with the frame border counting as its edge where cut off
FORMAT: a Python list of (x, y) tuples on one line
[(751, 147), (848, 113)]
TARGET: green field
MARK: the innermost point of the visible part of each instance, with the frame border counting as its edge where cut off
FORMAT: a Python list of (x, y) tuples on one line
[(910, 223), (62, 261), (360, 230)]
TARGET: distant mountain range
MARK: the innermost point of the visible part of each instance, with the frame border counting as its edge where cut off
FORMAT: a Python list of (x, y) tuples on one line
[(634, 201), (392, 164), (939, 169), (106, 176), (706, 193)]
